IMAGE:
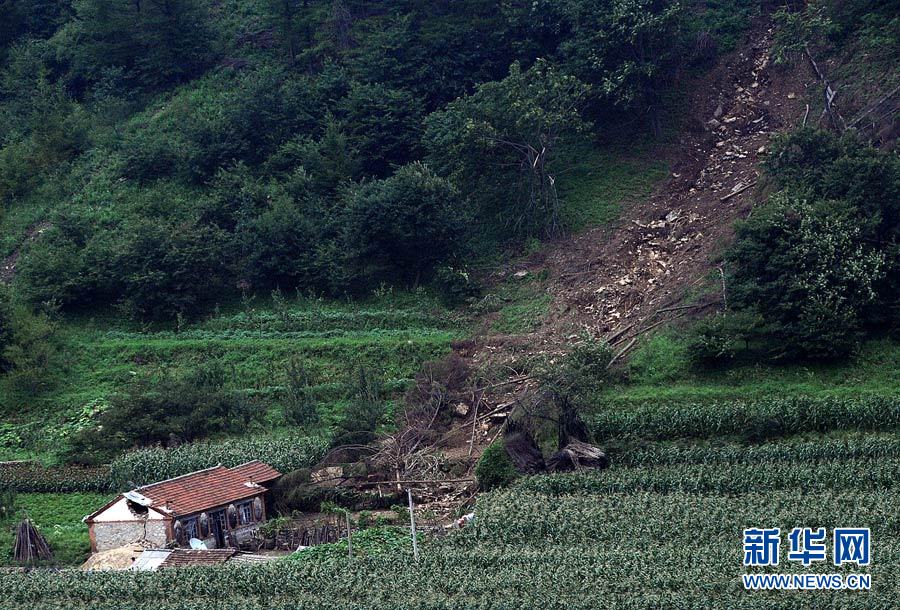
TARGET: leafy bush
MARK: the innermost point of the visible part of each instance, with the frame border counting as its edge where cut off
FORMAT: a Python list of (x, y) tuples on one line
[(299, 404), (27, 343), (154, 269), (370, 542), (585, 371), (171, 269), (495, 468), (169, 411), (819, 262), (716, 340), (363, 414), (144, 466)]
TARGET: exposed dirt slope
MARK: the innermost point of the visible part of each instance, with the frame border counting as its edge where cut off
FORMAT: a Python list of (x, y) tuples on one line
[(616, 282), (613, 282)]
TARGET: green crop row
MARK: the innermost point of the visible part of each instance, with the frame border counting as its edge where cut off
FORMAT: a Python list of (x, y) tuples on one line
[(845, 446), (145, 466), (638, 518), (757, 420), (33, 477), (313, 319), (853, 474), (573, 576)]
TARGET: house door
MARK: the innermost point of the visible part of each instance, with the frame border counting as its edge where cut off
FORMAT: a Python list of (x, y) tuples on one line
[(218, 522)]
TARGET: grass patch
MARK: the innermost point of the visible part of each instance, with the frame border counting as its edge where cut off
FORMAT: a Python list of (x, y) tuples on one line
[(58, 516), (525, 305), (597, 182), (659, 371)]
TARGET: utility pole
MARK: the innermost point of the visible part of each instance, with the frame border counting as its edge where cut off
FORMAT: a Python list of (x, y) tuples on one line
[(349, 536), (412, 524)]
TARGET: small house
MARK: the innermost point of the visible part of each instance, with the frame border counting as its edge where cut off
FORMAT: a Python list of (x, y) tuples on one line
[(220, 506)]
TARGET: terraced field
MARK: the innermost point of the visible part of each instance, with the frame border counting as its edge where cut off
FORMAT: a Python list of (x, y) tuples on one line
[(392, 335)]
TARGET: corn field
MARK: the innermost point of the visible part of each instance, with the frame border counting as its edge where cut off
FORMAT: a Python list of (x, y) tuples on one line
[(33, 477), (663, 531), (148, 465), (755, 420)]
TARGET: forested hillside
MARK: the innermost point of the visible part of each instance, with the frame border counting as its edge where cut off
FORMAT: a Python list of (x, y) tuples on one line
[(166, 161), (387, 237)]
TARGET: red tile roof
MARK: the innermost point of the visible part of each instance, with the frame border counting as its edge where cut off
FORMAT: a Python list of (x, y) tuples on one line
[(210, 488), (257, 471)]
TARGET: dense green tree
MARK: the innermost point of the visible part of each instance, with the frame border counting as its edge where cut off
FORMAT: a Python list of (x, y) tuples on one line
[(157, 42), (626, 49), (283, 244), (805, 267), (171, 268), (403, 226), (821, 166), (329, 160), (382, 126), (510, 130)]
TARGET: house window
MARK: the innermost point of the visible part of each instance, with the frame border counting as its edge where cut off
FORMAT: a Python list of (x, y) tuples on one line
[(191, 528), (245, 511), (223, 521)]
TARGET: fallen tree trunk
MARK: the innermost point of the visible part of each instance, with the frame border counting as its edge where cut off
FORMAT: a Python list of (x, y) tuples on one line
[(577, 455)]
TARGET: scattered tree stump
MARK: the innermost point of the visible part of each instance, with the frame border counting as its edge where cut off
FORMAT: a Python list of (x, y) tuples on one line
[(526, 456)]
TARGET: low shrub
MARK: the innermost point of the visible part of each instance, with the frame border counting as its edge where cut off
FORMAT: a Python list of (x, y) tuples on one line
[(495, 468), (174, 409)]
